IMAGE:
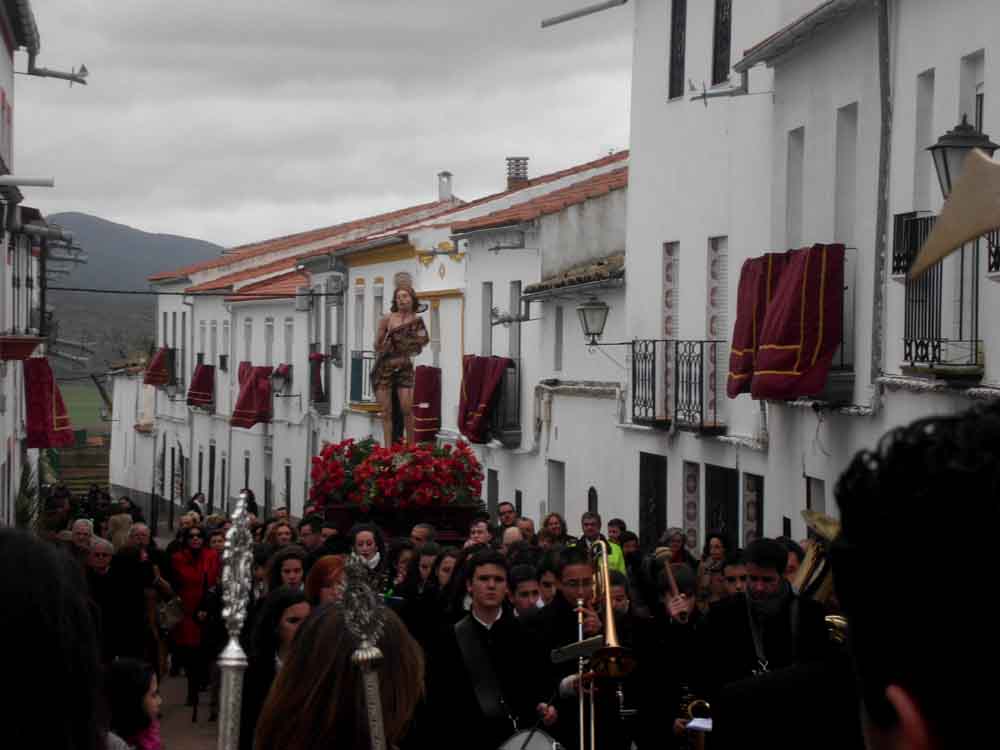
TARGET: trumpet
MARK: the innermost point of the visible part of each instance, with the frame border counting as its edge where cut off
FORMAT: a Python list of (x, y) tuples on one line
[(693, 707)]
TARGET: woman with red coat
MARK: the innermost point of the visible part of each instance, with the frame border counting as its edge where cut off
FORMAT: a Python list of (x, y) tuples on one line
[(196, 571)]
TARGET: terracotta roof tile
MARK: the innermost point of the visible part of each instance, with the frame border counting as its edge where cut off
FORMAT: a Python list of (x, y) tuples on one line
[(549, 203), (611, 267), (224, 282), (285, 285), (379, 222)]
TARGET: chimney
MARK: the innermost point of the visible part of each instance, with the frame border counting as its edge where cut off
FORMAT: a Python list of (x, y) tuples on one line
[(444, 186), (517, 172)]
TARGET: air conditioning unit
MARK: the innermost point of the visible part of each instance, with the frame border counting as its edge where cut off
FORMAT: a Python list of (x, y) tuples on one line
[(303, 299)]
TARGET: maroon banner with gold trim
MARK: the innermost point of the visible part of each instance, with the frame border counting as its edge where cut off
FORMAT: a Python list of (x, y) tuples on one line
[(202, 390), (802, 327), (46, 420), (758, 280), (253, 405), (481, 378), (426, 403), (158, 370)]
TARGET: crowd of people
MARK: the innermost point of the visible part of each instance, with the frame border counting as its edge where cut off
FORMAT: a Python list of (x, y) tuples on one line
[(470, 629)]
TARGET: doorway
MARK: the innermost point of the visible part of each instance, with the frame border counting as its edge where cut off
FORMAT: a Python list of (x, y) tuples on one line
[(652, 498), (557, 487), (722, 500), (492, 491)]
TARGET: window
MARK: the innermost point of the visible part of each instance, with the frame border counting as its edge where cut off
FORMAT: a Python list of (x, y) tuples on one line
[(202, 339), (164, 341), (794, 186), (224, 359), (557, 350), (722, 41), (248, 340), (173, 331), (183, 377), (678, 32), (288, 485), (436, 331), (592, 500), (269, 342), (289, 339), (845, 195), (246, 469), (214, 344), (359, 318), (514, 332), (201, 468), (487, 319), (377, 301), (224, 485), (518, 501), (924, 180)]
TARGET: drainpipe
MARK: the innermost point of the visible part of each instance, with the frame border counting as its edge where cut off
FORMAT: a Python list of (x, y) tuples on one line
[(76, 76), (882, 209)]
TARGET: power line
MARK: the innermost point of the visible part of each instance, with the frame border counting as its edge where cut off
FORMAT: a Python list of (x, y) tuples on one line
[(262, 295)]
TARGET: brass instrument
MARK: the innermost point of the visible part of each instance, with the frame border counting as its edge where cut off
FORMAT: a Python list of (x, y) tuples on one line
[(693, 707), (611, 660), (815, 577), (674, 591)]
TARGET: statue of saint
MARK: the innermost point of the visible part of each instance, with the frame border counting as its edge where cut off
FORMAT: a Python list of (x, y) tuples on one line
[(401, 336)]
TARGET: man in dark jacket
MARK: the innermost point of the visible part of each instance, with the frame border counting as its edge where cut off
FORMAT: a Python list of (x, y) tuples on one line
[(485, 680)]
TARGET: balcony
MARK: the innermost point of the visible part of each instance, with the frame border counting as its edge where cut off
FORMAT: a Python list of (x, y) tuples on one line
[(679, 383), (941, 335), (361, 381), (505, 419)]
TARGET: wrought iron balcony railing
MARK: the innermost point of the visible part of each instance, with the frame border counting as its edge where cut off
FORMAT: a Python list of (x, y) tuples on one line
[(361, 381), (679, 382)]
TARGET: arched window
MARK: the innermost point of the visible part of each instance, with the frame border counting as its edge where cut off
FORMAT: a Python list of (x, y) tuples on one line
[(592, 500)]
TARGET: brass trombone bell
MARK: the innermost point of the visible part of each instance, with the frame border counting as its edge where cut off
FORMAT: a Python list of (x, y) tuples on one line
[(827, 528)]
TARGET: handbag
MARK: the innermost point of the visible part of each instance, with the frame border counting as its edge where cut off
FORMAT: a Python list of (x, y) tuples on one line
[(170, 613)]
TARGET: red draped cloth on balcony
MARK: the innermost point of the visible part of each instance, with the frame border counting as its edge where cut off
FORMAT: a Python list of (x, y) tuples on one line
[(426, 403), (316, 393), (202, 390), (481, 376), (758, 280), (243, 373), (46, 420), (803, 325), (158, 369), (253, 405)]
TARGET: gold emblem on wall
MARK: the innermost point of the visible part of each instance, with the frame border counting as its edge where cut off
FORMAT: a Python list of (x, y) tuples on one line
[(441, 271)]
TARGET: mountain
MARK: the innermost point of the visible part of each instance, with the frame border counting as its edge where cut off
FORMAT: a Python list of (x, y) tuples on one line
[(121, 258)]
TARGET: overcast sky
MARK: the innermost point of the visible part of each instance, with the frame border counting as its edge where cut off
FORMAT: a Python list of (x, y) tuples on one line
[(238, 120)]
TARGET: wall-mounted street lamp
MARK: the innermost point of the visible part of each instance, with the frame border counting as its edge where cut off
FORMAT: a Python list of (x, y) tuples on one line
[(953, 147), (593, 315)]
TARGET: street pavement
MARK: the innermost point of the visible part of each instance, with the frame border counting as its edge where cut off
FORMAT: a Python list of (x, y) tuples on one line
[(176, 728)]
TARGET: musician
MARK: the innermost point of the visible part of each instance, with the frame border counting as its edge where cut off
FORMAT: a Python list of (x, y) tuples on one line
[(913, 657), (590, 522), (522, 589), (487, 676), (769, 628), (555, 625), (401, 336), (734, 573)]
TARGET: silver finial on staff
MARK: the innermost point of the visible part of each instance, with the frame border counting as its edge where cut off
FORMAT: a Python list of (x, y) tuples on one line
[(363, 610), (237, 570)]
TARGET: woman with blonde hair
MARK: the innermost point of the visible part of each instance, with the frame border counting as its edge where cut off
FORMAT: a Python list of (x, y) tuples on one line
[(318, 699), (119, 526)]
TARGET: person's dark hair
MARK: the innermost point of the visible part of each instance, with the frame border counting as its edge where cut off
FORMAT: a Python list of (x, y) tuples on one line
[(563, 532), (714, 534), (618, 579), (429, 527), (590, 515), (454, 593), (486, 557), (792, 547), (506, 502), (185, 536), (262, 554), (46, 622), (617, 523), (264, 637), (128, 682), (523, 553), (478, 519), (628, 536), (357, 528), (734, 558), (767, 553), (574, 555), (288, 552), (519, 574), (318, 697), (413, 295), (330, 525), (890, 501), (313, 522), (549, 564), (396, 550)]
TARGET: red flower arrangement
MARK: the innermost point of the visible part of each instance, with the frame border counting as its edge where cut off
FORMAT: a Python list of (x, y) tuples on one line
[(401, 476)]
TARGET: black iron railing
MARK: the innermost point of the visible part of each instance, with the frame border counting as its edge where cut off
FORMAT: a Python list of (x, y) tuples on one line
[(697, 395), (679, 382), (651, 382), (924, 342), (361, 382), (993, 251), (505, 418)]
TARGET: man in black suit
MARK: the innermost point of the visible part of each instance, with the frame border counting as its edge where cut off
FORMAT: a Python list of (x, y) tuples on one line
[(486, 677)]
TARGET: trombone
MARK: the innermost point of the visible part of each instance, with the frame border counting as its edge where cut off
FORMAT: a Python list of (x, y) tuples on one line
[(610, 659)]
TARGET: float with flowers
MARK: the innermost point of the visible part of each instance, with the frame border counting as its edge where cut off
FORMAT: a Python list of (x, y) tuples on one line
[(397, 486)]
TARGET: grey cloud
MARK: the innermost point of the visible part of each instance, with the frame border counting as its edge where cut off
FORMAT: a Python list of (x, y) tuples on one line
[(236, 121)]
